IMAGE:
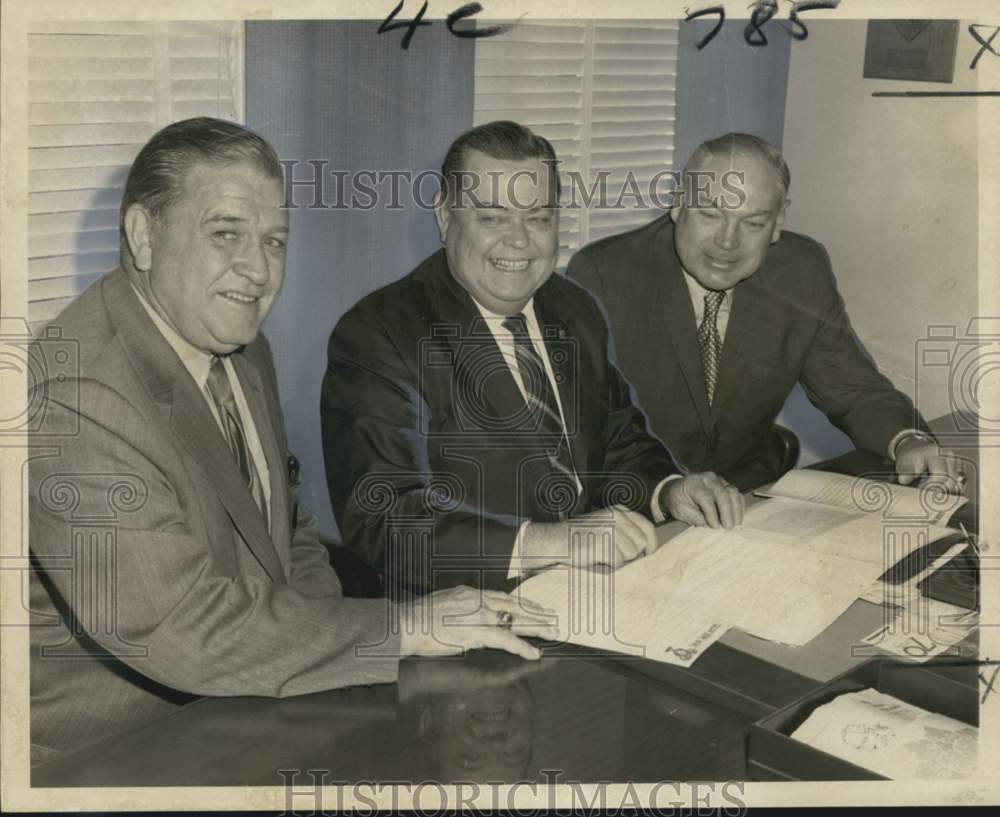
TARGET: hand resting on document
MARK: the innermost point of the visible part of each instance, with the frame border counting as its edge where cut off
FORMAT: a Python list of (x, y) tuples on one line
[(704, 500), (615, 535), (452, 621)]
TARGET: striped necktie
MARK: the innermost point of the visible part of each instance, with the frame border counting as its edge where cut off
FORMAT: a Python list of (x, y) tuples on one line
[(541, 399), (221, 392), (710, 342)]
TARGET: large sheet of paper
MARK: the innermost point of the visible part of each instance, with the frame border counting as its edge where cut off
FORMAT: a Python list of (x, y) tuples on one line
[(891, 737), (928, 502), (620, 611), (784, 575)]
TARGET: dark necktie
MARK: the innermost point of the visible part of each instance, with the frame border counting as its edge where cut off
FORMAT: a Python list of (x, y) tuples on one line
[(221, 392), (541, 398), (710, 342)]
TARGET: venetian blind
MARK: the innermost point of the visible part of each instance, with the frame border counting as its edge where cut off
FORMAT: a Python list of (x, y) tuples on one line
[(97, 92), (603, 94)]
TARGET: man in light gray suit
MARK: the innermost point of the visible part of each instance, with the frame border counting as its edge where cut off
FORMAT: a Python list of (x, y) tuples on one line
[(171, 559)]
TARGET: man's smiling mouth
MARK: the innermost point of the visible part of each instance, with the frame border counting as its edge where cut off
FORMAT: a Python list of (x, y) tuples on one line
[(510, 265), (240, 298)]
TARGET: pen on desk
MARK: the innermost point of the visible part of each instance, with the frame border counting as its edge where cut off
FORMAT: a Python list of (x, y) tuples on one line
[(971, 539)]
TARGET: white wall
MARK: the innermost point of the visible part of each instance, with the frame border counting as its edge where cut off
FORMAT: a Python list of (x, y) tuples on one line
[(890, 187)]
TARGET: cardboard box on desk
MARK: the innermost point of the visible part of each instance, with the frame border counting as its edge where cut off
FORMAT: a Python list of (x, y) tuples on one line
[(948, 687)]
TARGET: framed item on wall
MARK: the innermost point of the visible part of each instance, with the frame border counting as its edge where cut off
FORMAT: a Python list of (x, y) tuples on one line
[(919, 50)]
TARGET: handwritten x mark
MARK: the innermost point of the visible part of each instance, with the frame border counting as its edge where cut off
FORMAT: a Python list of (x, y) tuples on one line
[(989, 684), (986, 44)]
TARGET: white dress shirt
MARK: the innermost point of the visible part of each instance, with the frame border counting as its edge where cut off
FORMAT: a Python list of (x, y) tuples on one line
[(197, 364)]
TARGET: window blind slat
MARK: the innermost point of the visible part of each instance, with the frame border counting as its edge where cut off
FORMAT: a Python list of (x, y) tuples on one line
[(45, 224), (88, 113), (85, 68), (64, 46), (104, 134), (73, 157), (67, 266), (65, 201), (43, 181), (74, 90), (100, 28), (529, 86), (568, 101), (75, 242), (218, 90)]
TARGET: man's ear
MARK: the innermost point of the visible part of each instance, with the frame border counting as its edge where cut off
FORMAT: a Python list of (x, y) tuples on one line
[(442, 215), (678, 202), (779, 221), (139, 234)]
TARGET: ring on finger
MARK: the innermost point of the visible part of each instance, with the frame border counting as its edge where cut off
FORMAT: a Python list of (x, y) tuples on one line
[(505, 619)]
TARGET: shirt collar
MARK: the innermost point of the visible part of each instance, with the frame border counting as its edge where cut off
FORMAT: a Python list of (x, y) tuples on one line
[(195, 361), (495, 320), (698, 292)]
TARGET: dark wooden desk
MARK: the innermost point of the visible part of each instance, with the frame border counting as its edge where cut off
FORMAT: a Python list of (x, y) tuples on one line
[(490, 716), (485, 717)]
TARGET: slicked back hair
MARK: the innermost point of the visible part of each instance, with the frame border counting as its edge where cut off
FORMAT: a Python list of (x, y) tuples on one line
[(501, 139), (733, 143), (157, 174)]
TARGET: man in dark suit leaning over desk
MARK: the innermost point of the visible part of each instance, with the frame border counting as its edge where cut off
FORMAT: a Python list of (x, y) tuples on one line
[(170, 557), (716, 314), (472, 420)]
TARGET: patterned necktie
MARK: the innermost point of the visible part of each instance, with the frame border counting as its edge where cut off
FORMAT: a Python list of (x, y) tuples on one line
[(541, 399), (710, 342), (221, 392)]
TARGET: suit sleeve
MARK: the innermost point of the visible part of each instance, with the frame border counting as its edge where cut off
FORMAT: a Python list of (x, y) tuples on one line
[(375, 425), (587, 274), (180, 608), (635, 461), (840, 379), (310, 571)]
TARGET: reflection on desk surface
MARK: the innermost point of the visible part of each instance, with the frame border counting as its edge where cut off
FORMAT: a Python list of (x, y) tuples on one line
[(487, 716)]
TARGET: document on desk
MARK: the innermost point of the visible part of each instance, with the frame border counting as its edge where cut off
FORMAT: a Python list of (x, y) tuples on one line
[(621, 611), (787, 573), (891, 737), (928, 502)]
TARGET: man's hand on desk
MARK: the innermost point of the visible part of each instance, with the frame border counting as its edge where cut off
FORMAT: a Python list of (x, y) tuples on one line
[(918, 454), (453, 621), (584, 540), (703, 500)]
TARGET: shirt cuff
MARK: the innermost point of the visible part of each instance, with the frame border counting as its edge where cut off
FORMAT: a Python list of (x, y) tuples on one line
[(516, 567), (658, 514), (906, 432)]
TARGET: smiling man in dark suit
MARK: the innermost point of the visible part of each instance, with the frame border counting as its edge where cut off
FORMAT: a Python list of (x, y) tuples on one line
[(474, 428), (171, 558), (716, 313)]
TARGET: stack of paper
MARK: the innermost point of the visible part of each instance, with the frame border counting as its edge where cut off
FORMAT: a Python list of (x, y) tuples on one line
[(891, 738), (785, 574)]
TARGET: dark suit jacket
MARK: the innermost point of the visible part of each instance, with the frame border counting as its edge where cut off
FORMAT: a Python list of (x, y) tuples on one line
[(156, 578), (787, 325), (431, 461)]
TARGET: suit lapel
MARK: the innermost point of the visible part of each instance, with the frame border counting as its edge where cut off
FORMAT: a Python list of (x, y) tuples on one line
[(747, 316), (677, 315), (564, 367), (185, 409), (277, 464)]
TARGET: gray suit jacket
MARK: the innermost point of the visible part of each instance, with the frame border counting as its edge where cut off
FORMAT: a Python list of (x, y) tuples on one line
[(788, 324), (155, 576)]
